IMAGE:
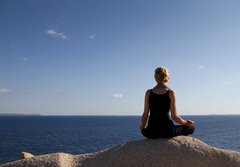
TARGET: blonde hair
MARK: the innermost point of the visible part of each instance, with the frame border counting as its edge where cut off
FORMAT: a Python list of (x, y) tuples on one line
[(161, 75)]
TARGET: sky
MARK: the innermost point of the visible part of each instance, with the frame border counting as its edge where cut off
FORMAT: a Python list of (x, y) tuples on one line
[(91, 57)]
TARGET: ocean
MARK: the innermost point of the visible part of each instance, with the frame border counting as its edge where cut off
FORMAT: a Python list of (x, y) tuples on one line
[(85, 134)]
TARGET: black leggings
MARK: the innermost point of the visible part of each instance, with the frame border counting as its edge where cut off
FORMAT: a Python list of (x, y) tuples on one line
[(177, 131), (183, 130)]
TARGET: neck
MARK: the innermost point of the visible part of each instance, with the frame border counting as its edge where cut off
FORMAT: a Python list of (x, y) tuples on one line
[(162, 85)]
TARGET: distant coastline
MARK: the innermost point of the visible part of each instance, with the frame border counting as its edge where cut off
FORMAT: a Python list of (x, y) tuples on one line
[(17, 114)]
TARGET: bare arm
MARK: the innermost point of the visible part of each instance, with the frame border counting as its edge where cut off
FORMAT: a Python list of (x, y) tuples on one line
[(146, 111), (173, 110)]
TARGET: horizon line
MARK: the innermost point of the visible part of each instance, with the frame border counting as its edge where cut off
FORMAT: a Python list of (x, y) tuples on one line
[(23, 114)]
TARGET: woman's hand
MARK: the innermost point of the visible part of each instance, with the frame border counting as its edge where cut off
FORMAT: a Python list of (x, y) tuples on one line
[(189, 122)]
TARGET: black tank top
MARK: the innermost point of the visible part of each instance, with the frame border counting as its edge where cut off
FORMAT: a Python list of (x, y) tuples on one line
[(159, 119)]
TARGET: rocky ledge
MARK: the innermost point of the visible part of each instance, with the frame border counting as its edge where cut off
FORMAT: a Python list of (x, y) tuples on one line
[(179, 151)]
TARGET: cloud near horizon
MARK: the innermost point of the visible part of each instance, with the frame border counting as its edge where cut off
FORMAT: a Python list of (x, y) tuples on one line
[(227, 83), (200, 67), (5, 90), (117, 96), (92, 36), (56, 34)]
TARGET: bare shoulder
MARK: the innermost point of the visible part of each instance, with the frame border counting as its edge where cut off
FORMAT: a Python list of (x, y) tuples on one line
[(172, 93), (148, 92)]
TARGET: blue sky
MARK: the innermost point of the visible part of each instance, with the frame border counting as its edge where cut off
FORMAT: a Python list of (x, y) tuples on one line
[(90, 57)]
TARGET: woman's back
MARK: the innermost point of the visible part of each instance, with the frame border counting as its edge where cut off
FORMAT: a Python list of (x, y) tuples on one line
[(159, 105)]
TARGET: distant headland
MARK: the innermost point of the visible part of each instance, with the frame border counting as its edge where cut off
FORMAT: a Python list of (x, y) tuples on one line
[(17, 114)]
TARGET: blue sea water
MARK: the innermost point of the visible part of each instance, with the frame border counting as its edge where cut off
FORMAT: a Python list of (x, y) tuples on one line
[(85, 134)]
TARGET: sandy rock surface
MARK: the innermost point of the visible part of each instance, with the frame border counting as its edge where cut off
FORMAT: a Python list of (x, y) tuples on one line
[(25, 155), (180, 151)]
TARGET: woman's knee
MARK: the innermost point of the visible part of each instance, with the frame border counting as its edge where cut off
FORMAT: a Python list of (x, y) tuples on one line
[(187, 130), (192, 129), (145, 132)]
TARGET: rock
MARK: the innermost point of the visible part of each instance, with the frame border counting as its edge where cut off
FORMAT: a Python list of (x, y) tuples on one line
[(181, 151), (25, 155), (48, 160)]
